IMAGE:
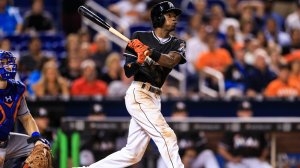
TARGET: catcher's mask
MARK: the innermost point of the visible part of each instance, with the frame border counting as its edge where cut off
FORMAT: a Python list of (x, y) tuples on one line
[(8, 66), (158, 11)]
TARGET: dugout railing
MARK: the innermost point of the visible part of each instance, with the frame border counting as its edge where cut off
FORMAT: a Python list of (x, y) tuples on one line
[(287, 128)]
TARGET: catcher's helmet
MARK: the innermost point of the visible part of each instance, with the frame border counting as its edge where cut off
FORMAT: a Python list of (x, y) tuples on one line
[(158, 11), (8, 66)]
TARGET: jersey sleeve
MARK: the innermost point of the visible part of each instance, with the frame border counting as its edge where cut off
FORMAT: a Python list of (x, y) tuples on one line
[(23, 109), (131, 66), (180, 48)]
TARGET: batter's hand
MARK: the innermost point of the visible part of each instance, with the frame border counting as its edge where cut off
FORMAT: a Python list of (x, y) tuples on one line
[(138, 46)]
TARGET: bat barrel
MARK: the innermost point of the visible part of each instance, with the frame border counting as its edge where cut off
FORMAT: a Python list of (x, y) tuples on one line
[(82, 10)]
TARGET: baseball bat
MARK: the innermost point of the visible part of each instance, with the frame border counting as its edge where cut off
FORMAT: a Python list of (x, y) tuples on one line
[(82, 10)]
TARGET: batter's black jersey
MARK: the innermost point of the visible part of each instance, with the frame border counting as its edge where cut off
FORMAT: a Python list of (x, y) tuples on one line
[(154, 74)]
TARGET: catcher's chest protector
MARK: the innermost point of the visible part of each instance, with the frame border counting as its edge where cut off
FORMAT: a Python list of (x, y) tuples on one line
[(10, 99)]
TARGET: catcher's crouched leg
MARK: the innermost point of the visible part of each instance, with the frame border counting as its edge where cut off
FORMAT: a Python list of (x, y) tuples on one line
[(40, 157)]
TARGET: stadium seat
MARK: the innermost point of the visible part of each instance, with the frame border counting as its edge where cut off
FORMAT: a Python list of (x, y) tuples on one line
[(139, 27)]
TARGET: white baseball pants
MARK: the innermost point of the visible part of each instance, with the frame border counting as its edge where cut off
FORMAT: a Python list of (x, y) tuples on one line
[(147, 122)]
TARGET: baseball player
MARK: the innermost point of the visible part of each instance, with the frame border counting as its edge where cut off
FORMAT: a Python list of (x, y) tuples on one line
[(13, 106), (150, 57)]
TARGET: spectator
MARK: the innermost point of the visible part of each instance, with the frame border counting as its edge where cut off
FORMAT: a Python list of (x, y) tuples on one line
[(199, 16), (244, 149), (88, 84), (33, 59), (276, 59), (270, 13), (37, 19), (232, 9), (295, 37), (84, 51), (118, 88), (192, 145), (247, 14), (293, 19), (51, 82), (72, 45), (216, 58), (281, 87), (247, 29), (97, 113), (262, 39), (10, 18), (256, 6), (146, 17), (216, 10), (236, 74), (42, 120), (130, 11), (84, 36), (70, 69), (5, 45), (295, 42), (273, 34), (201, 8), (214, 26), (170, 88), (233, 39), (294, 79), (194, 47), (251, 45), (100, 50), (261, 76), (112, 68)]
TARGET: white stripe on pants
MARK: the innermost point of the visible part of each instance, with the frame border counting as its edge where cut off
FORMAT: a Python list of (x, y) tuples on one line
[(146, 122)]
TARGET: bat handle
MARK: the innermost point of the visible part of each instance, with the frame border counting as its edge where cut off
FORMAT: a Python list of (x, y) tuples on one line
[(117, 33)]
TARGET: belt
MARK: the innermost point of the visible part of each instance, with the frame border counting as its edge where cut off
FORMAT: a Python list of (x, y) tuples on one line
[(151, 88)]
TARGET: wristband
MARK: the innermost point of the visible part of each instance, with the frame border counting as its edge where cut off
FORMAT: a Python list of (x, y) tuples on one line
[(35, 136), (155, 55)]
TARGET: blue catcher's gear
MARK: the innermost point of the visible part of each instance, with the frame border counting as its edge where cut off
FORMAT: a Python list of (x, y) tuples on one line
[(10, 100), (8, 66)]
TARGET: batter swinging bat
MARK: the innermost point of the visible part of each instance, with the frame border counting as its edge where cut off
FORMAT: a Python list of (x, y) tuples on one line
[(82, 10)]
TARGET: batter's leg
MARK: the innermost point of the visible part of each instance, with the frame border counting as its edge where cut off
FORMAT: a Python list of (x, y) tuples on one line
[(132, 153), (144, 107)]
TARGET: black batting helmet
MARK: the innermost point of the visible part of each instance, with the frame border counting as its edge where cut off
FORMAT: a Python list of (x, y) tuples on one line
[(158, 11)]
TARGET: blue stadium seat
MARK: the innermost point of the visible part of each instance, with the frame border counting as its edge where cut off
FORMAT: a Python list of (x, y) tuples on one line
[(139, 27), (23, 3), (106, 3), (210, 3), (181, 26)]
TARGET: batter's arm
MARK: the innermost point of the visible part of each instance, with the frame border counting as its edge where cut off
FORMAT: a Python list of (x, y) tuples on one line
[(169, 60), (28, 123)]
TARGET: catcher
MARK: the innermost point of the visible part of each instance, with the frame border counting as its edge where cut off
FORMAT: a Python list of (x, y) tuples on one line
[(15, 147)]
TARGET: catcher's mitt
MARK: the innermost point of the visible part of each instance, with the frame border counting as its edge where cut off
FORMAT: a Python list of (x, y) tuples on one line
[(40, 157)]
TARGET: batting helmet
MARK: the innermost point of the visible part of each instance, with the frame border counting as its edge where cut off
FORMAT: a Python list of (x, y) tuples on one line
[(8, 66), (158, 11)]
